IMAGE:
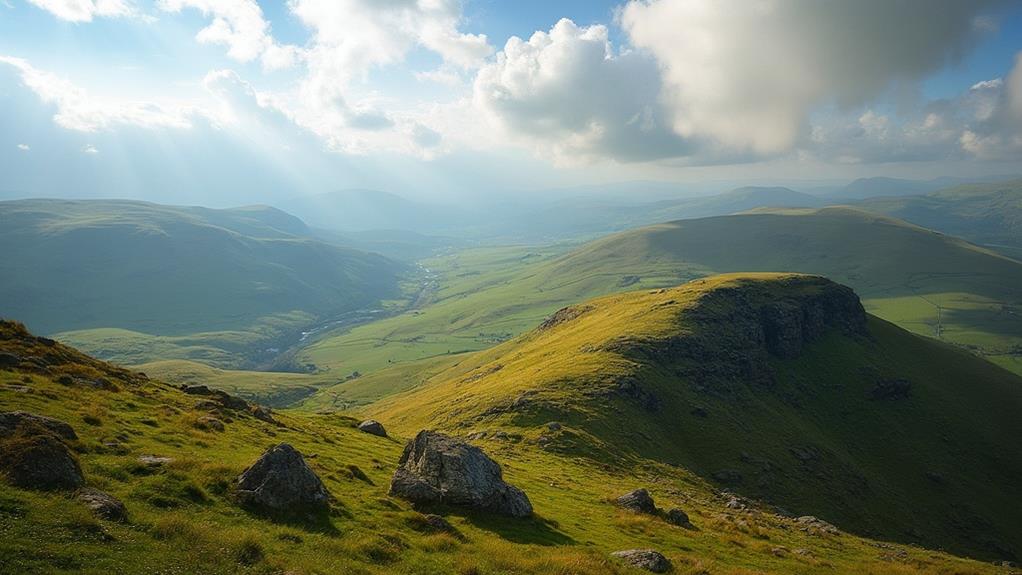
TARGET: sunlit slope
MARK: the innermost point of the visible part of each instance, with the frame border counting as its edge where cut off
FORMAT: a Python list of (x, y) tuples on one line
[(775, 386), (904, 274), (183, 516), (167, 270), (988, 214)]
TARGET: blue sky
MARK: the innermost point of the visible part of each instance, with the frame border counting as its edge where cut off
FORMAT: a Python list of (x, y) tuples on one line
[(234, 101)]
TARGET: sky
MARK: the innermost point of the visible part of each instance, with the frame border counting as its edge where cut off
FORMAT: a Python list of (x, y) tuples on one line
[(222, 102)]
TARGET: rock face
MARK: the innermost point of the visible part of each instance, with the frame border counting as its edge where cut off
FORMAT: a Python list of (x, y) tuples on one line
[(639, 501), (372, 427), (34, 455), (280, 480), (435, 468), (647, 559), (104, 505)]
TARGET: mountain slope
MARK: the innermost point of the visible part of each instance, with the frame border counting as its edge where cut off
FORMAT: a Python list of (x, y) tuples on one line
[(987, 214), (902, 271), (776, 386), (150, 446), (168, 270)]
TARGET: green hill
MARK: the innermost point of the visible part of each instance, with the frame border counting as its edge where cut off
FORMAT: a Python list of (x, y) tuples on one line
[(989, 214), (774, 386), (151, 446), (176, 271), (911, 276)]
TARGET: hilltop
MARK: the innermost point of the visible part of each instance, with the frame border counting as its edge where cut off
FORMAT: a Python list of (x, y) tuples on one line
[(156, 449), (248, 273), (775, 386), (905, 274), (987, 214)]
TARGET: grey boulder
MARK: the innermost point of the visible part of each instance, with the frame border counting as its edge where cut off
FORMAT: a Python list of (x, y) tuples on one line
[(11, 420), (281, 481), (373, 427), (639, 501), (647, 559), (436, 468), (102, 504)]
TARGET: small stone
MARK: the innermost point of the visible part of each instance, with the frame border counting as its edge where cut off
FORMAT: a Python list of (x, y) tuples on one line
[(372, 427), (638, 501), (154, 460), (209, 423), (647, 559), (438, 523), (102, 504), (553, 426), (263, 414)]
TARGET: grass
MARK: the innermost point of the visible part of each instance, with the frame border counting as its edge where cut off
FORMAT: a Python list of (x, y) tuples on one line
[(872, 466), (183, 518), (488, 295)]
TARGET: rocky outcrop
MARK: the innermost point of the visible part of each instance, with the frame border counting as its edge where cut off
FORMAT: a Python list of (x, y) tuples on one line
[(436, 468), (638, 501), (222, 397), (677, 517), (281, 481), (11, 420), (372, 427), (647, 559), (34, 453), (102, 504)]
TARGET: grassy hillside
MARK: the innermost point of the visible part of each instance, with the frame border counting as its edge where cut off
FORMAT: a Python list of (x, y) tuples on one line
[(172, 271), (904, 274), (773, 386), (183, 516), (987, 214)]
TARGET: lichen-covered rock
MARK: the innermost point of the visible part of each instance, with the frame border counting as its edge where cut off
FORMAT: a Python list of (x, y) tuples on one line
[(639, 501), (11, 420), (372, 427), (102, 504), (281, 481), (436, 468), (34, 458), (647, 559)]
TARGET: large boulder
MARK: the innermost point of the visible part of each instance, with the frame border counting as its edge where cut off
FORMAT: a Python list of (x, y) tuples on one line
[(102, 504), (281, 481), (436, 468), (647, 559), (34, 458), (11, 420), (372, 427), (639, 501)]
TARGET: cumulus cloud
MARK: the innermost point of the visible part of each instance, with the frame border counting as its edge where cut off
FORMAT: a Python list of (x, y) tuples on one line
[(24, 147), (240, 26), (77, 110), (90, 150), (748, 74), (569, 92), (86, 10)]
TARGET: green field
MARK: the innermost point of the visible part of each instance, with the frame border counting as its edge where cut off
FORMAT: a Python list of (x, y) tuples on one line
[(183, 517), (902, 272)]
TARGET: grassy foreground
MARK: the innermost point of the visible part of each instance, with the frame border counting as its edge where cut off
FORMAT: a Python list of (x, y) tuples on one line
[(183, 518)]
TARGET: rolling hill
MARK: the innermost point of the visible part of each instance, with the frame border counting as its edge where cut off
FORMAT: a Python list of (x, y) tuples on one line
[(987, 214), (775, 386), (156, 450), (176, 271), (916, 278)]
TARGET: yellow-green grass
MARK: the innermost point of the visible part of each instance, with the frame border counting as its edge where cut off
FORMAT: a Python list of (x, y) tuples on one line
[(183, 518), (901, 271), (265, 387), (933, 466)]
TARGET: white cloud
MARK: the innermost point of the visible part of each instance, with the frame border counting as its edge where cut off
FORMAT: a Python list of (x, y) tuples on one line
[(86, 10), (240, 26), (24, 147), (568, 93), (77, 110), (748, 74), (90, 150)]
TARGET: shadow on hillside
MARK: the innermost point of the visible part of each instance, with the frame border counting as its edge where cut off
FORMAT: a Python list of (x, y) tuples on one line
[(311, 521), (533, 531)]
